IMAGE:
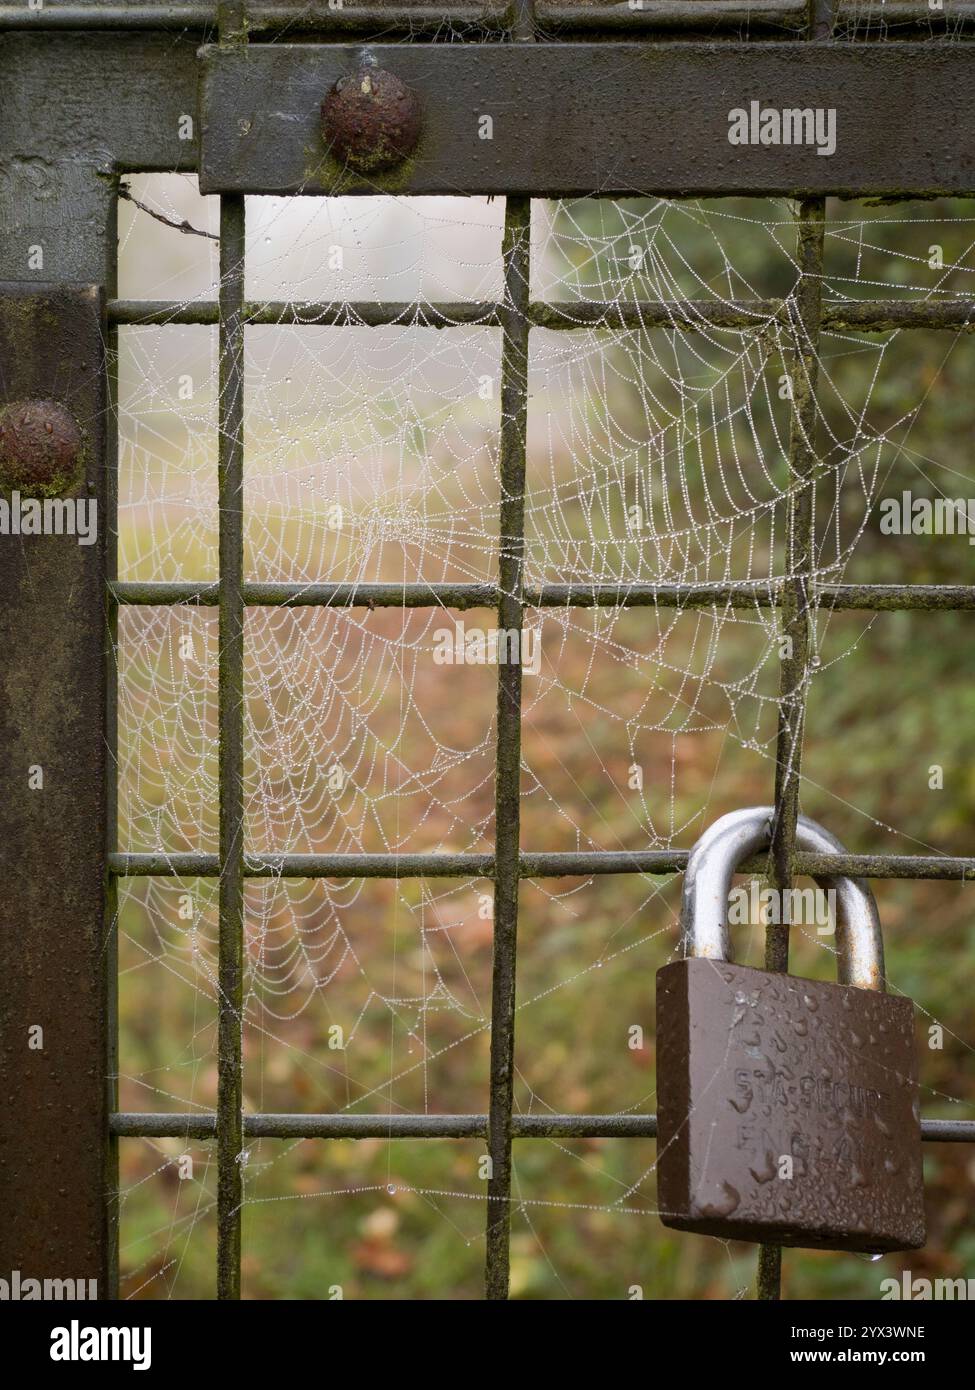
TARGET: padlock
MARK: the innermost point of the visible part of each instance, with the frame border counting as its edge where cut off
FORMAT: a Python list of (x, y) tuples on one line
[(788, 1109)]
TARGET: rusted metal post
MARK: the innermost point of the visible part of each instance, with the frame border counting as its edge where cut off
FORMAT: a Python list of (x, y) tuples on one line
[(55, 1148)]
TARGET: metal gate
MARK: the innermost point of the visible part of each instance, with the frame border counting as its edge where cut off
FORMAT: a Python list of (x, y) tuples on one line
[(586, 98)]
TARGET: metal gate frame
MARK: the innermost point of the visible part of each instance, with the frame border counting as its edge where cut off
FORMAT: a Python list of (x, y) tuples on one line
[(63, 150)]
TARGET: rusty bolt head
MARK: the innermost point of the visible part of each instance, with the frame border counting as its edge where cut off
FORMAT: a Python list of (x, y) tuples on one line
[(371, 120), (41, 448)]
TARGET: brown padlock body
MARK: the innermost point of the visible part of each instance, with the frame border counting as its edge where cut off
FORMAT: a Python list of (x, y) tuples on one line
[(753, 1066)]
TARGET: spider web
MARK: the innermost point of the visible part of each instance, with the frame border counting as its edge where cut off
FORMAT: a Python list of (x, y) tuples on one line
[(656, 455)]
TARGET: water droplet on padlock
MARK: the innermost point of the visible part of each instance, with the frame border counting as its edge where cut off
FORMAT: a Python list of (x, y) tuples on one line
[(729, 1201), (767, 1171)]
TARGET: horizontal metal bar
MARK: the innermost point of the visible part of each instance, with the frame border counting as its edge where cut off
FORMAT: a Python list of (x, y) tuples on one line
[(191, 865), (948, 1131), (553, 135), (666, 16), (872, 597), (145, 1125), (200, 1126), (531, 865), (313, 595), (873, 315), (334, 313), (752, 594), (55, 16), (878, 17), (653, 16), (865, 315), (262, 20)]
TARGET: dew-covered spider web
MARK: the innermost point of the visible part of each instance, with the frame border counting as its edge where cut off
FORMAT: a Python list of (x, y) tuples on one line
[(657, 455)]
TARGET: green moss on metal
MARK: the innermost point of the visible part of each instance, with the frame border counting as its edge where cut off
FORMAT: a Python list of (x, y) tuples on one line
[(326, 172)]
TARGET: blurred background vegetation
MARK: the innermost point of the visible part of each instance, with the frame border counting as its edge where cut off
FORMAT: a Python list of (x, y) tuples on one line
[(404, 969)]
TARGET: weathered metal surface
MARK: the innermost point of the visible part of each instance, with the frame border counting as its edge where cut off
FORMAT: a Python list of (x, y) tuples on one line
[(754, 1066), (648, 117), (54, 1155), (370, 120), (62, 141), (55, 108)]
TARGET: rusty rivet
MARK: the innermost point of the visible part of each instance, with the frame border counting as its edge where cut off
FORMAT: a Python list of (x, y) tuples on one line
[(41, 448), (370, 120)]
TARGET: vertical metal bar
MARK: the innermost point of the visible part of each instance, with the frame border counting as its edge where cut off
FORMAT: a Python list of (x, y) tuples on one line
[(514, 418), (523, 21), (822, 16), (230, 716), (800, 559), (232, 21), (111, 743), (230, 1129), (54, 1133)]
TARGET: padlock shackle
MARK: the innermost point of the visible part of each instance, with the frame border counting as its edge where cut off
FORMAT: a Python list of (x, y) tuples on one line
[(707, 884)]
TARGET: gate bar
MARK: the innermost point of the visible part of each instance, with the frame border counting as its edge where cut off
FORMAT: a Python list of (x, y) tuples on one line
[(231, 747), (155, 1125), (570, 864), (797, 600), (516, 255), (55, 1151), (693, 113), (642, 594), (264, 20), (853, 17), (865, 315)]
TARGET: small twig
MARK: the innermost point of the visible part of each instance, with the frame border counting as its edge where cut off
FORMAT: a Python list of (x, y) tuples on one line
[(184, 226)]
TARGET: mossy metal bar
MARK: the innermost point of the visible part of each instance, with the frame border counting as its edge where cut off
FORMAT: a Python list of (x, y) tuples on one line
[(55, 1152), (949, 313)]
